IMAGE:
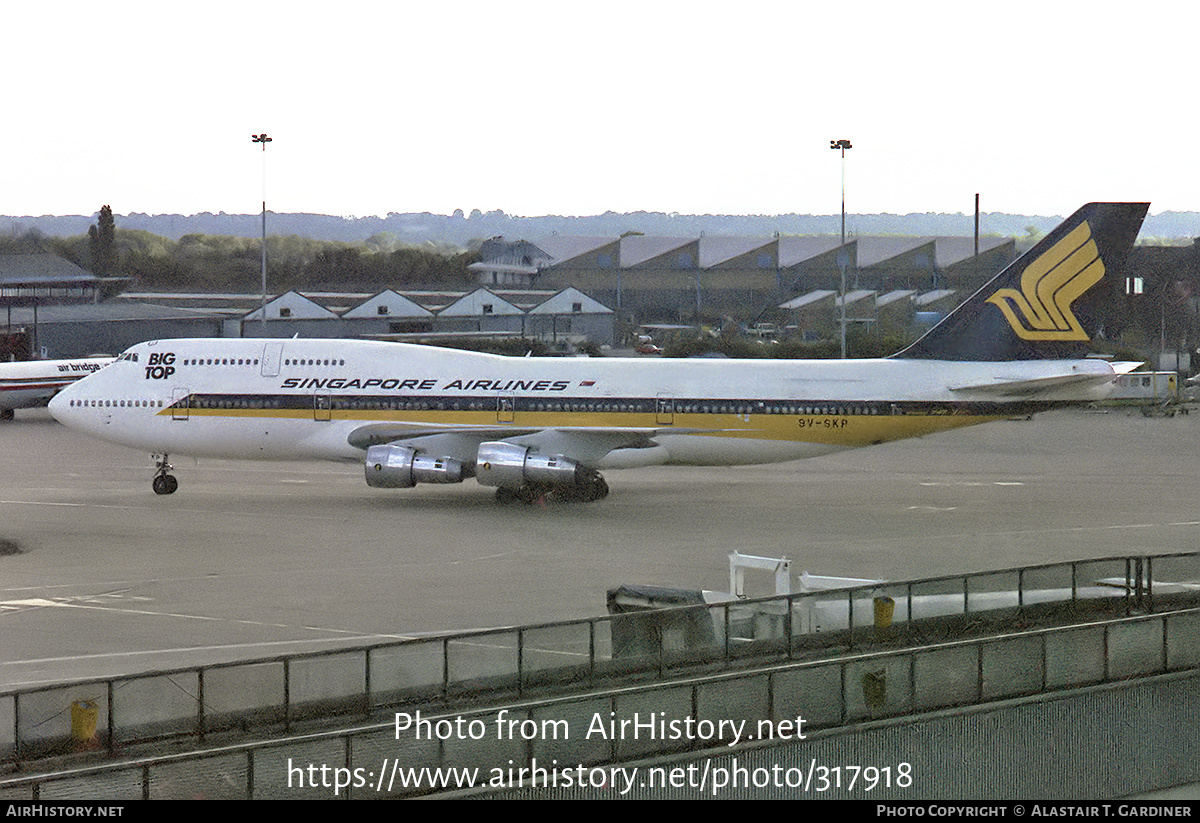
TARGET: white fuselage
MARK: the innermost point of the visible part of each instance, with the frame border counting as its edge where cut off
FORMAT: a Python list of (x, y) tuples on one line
[(316, 398)]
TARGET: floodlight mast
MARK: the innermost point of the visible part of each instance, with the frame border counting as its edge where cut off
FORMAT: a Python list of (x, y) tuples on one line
[(841, 145), (262, 138)]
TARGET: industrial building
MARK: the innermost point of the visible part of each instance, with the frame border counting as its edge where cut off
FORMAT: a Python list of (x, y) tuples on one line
[(567, 290)]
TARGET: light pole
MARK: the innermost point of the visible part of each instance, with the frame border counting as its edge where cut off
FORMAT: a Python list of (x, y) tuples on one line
[(264, 139), (842, 145)]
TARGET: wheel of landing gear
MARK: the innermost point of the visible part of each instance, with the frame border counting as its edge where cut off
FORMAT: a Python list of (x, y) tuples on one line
[(7, 414), (165, 484), (505, 495)]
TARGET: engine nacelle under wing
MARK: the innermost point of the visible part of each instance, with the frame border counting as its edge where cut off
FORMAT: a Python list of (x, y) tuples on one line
[(402, 467), (507, 464)]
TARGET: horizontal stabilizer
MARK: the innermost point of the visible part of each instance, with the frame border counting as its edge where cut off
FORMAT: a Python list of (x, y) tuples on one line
[(1027, 387), (1125, 367)]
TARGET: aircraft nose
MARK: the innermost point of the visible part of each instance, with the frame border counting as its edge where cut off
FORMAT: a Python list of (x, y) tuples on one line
[(60, 405)]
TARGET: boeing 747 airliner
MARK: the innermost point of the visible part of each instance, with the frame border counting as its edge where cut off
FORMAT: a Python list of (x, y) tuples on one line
[(531, 426)]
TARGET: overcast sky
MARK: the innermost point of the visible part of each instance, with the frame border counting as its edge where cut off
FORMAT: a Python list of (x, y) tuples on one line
[(580, 108)]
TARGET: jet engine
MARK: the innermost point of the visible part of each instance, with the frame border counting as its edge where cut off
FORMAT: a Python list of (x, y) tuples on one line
[(402, 467), (506, 464)]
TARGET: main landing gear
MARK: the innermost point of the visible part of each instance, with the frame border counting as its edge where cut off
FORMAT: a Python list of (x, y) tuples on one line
[(593, 487), (163, 482)]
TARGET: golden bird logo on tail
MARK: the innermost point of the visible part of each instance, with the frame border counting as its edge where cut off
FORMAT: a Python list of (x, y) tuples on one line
[(1041, 310)]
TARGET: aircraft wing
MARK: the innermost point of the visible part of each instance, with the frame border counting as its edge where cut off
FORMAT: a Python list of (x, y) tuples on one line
[(375, 434), (586, 444), (1125, 367)]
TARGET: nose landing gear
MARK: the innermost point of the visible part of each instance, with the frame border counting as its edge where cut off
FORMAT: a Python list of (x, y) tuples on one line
[(163, 482)]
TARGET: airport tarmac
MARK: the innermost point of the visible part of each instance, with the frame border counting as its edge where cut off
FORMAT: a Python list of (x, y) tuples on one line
[(255, 559)]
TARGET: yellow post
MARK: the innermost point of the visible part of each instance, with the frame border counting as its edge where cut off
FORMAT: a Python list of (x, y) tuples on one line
[(83, 720), (874, 686), (885, 607)]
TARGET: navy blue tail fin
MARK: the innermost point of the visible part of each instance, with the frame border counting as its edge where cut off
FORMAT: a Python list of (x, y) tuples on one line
[(1048, 303)]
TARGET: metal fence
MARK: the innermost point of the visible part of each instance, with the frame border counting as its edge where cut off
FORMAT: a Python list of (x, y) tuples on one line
[(275, 694), (729, 711)]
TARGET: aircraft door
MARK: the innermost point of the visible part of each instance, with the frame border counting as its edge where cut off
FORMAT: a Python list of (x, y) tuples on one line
[(321, 405), (664, 410), (180, 403), (272, 357), (506, 406)]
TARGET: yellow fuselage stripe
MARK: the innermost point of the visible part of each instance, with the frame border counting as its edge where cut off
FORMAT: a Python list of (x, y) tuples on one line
[(840, 430)]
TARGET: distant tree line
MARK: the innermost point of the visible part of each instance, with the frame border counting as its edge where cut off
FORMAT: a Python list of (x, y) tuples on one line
[(203, 262)]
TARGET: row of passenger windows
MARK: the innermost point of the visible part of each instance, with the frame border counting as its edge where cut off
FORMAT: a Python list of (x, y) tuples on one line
[(614, 406), (489, 405), (246, 361), (235, 403), (220, 361), (146, 404), (735, 408)]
